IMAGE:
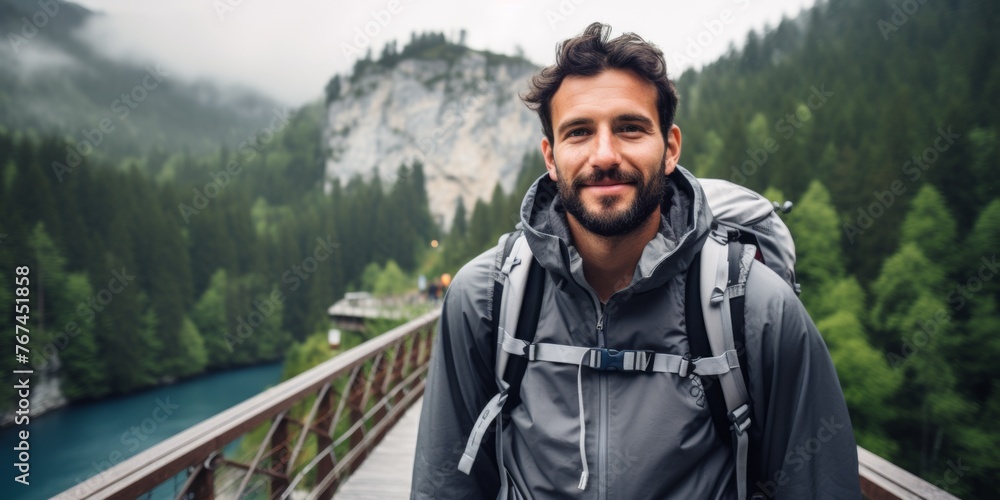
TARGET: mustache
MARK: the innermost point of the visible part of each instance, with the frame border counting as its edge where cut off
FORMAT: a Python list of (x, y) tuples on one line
[(615, 174)]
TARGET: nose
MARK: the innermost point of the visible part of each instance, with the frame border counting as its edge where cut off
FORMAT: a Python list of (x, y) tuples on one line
[(605, 153)]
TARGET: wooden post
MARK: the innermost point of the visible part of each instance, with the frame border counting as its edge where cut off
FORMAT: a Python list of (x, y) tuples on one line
[(323, 440), (279, 460), (203, 486)]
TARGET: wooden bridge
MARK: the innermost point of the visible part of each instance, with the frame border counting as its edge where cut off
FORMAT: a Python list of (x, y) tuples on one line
[(347, 428)]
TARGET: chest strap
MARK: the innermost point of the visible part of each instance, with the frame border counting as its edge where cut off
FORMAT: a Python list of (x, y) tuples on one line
[(624, 360)]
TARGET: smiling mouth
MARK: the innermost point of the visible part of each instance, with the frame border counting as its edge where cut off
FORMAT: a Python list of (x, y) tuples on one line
[(605, 188)]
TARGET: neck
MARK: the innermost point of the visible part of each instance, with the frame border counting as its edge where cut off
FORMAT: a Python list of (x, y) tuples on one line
[(609, 261)]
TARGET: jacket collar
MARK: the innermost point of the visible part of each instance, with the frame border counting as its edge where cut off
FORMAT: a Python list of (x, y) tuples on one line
[(685, 220)]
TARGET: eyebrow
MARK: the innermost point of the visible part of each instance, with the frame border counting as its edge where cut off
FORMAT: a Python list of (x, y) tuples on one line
[(624, 118), (576, 122), (634, 118)]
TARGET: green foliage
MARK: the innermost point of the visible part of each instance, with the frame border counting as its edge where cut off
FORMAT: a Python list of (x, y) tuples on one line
[(819, 262), (810, 84), (930, 226), (83, 366), (195, 357), (209, 317), (225, 261), (981, 248), (906, 276), (710, 154), (302, 356), (866, 378), (774, 194), (845, 296), (369, 277), (48, 271), (392, 281)]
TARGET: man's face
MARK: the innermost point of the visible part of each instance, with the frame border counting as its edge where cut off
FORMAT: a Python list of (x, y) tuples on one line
[(608, 156)]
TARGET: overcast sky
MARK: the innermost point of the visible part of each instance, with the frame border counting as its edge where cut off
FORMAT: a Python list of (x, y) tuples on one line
[(289, 49)]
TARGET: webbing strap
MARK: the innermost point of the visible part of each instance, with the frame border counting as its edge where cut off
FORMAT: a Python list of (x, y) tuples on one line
[(715, 295), (610, 359), (516, 278), (742, 443), (483, 423)]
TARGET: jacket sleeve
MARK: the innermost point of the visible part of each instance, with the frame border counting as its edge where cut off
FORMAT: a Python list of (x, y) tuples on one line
[(459, 384), (807, 447)]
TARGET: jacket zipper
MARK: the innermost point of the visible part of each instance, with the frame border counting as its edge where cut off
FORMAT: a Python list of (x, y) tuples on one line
[(602, 427)]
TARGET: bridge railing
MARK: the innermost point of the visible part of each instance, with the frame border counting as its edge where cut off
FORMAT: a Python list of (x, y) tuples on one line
[(319, 426), (884, 480)]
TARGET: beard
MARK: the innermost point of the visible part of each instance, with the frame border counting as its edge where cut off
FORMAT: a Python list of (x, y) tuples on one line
[(648, 197)]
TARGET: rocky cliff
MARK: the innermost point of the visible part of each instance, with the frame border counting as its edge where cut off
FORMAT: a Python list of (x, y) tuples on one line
[(458, 113)]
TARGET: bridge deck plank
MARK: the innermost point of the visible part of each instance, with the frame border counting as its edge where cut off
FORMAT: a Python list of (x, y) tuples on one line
[(387, 471)]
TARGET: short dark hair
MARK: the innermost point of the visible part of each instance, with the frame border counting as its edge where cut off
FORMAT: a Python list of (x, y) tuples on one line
[(589, 54)]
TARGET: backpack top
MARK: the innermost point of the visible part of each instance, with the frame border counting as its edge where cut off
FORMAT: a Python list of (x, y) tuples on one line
[(756, 219)]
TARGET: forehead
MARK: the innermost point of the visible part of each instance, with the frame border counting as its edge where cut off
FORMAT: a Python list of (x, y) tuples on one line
[(610, 92)]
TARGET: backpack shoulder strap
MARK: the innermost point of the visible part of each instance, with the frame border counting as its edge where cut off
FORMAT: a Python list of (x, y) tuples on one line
[(515, 267), (505, 247), (720, 281)]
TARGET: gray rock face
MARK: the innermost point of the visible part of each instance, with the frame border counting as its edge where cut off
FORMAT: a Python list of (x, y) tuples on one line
[(464, 121)]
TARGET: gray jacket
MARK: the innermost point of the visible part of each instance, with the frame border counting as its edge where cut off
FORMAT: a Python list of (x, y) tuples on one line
[(648, 435)]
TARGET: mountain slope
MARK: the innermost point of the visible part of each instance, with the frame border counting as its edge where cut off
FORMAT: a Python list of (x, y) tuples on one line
[(453, 108)]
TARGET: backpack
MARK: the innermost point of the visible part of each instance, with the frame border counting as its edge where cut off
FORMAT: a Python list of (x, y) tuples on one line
[(746, 228)]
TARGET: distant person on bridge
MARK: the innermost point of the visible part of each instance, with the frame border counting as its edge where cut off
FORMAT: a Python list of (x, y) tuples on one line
[(592, 377)]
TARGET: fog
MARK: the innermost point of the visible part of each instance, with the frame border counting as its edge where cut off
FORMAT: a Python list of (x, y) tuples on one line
[(289, 50)]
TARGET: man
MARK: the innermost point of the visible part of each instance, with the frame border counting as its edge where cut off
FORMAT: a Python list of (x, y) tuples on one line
[(615, 224)]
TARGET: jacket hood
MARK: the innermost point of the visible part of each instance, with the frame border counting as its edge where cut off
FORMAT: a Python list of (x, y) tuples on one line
[(685, 220)]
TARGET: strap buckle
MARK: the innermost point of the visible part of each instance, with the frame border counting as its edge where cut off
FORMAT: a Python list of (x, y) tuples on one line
[(687, 367), (623, 361), (740, 418)]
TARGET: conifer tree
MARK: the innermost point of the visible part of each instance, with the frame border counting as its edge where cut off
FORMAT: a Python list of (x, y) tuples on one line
[(819, 262), (83, 371), (930, 226), (209, 317)]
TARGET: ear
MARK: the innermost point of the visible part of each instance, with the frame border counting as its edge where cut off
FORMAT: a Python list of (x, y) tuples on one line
[(550, 159), (673, 154)]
